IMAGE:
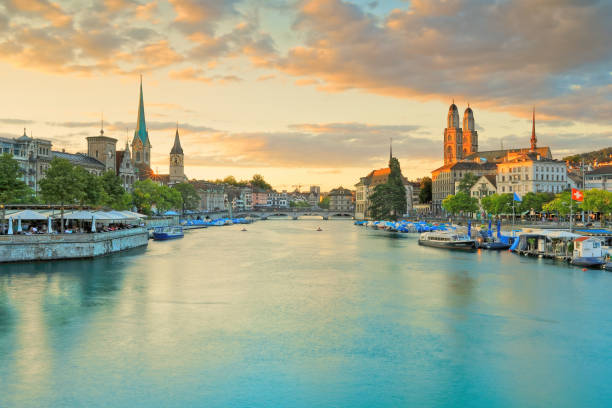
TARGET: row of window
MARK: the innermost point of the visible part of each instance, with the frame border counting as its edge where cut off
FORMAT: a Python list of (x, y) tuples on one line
[(542, 177)]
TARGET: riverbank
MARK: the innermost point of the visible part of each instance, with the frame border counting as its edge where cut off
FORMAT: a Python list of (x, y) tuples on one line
[(48, 247)]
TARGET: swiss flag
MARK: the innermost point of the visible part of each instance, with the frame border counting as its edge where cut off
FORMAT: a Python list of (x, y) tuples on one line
[(577, 195)]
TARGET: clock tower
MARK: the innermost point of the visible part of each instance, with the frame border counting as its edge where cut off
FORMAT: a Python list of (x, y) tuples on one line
[(177, 166)]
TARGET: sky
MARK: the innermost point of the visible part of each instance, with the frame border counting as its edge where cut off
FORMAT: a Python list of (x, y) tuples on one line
[(307, 92)]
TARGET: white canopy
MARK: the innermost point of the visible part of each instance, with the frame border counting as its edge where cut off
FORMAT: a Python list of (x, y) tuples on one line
[(101, 215), (133, 215), (563, 235), (28, 215), (77, 215), (119, 215)]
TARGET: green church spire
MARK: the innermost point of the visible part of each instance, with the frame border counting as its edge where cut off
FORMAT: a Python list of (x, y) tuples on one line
[(141, 125)]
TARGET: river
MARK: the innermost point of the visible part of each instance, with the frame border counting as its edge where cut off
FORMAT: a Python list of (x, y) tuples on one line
[(285, 316)]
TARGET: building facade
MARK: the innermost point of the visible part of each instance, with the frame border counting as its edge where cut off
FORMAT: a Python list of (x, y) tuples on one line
[(366, 187), (212, 195), (444, 179), (103, 149), (459, 142), (33, 155), (600, 178), (524, 173), (341, 199)]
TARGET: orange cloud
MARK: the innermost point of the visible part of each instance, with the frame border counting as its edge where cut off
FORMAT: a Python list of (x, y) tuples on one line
[(50, 11)]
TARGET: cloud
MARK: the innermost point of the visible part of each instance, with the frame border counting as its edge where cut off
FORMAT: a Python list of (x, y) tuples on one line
[(13, 121), (196, 74), (327, 145), (502, 55), (49, 11)]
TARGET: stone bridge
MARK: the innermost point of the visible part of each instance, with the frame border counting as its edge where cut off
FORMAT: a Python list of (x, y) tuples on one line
[(277, 213)]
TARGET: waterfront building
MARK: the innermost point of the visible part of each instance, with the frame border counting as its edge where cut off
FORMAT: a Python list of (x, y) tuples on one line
[(141, 145), (445, 179), (340, 199), (531, 172), (33, 155), (177, 167), (259, 197), (600, 177), (485, 186), (366, 185), (314, 196), (90, 164), (212, 195), (278, 200), (125, 168), (103, 149)]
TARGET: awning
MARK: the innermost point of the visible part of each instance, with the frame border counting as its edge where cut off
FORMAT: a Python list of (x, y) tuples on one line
[(77, 215), (28, 215)]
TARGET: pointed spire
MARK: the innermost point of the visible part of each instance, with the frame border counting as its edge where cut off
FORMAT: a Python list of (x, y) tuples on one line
[(177, 149), (390, 149), (141, 125), (102, 125), (534, 140)]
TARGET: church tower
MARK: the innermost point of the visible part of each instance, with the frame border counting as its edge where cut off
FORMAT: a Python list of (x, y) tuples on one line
[(534, 139), (453, 137), (141, 146), (177, 166), (470, 135)]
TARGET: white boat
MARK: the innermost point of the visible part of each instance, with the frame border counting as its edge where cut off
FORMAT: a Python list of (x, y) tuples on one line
[(588, 252), (447, 240)]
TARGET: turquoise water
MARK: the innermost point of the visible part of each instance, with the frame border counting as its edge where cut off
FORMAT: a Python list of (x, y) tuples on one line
[(284, 316)]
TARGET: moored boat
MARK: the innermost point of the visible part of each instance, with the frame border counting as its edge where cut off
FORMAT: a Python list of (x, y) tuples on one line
[(588, 253), (447, 240), (166, 233)]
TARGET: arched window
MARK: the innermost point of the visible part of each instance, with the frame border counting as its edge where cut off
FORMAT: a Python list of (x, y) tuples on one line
[(137, 156)]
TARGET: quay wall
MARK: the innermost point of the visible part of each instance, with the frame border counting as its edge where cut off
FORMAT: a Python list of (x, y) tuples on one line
[(17, 248)]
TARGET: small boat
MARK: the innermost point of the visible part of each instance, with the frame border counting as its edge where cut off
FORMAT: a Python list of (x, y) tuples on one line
[(588, 253), (166, 233), (243, 229), (447, 240), (319, 229), (608, 266)]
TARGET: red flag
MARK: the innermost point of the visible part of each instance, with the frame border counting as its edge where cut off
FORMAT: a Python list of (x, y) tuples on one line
[(577, 195)]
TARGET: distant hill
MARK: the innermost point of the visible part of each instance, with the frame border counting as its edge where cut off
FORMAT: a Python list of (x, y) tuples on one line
[(602, 155)]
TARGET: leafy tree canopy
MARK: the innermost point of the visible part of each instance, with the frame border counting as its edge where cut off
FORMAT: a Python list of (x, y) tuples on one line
[(258, 181), (189, 196), (467, 182), (388, 201), (425, 193), (12, 188), (461, 202)]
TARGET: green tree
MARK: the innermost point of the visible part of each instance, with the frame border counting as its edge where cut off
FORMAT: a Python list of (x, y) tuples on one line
[(467, 182), (231, 180), (425, 193), (93, 193), (12, 188), (324, 203), (299, 204), (258, 181), (461, 202), (561, 204), (535, 201), (190, 198), (62, 185), (597, 201), (498, 204), (388, 201), (147, 194), (113, 194)]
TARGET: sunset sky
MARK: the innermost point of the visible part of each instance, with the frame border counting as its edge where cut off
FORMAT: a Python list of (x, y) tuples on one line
[(307, 92)]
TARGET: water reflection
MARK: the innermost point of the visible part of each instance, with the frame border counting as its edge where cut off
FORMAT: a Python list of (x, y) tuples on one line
[(283, 315)]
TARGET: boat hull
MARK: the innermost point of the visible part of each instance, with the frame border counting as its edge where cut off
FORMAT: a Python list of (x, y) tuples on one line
[(588, 262), (453, 245), (165, 237), (494, 246)]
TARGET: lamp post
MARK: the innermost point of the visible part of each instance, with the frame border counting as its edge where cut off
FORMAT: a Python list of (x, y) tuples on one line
[(3, 215)]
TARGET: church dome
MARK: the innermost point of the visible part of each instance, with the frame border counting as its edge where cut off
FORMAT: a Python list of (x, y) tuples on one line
[(452, 119)]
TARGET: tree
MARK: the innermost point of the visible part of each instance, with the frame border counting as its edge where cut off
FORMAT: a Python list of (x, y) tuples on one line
[(12, 188), (324, 203), (598, 201), (231, 180), (62, 185), (147, 194), (561, 204), (467, 182), (258, 181), (460, 202), (498, 203), (190, 198), (113, 194), (388, 201), (425, 193), (535, 201)]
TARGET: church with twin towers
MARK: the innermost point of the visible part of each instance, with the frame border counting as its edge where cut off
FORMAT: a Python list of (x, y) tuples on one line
[(135, 165), (459, 142)]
